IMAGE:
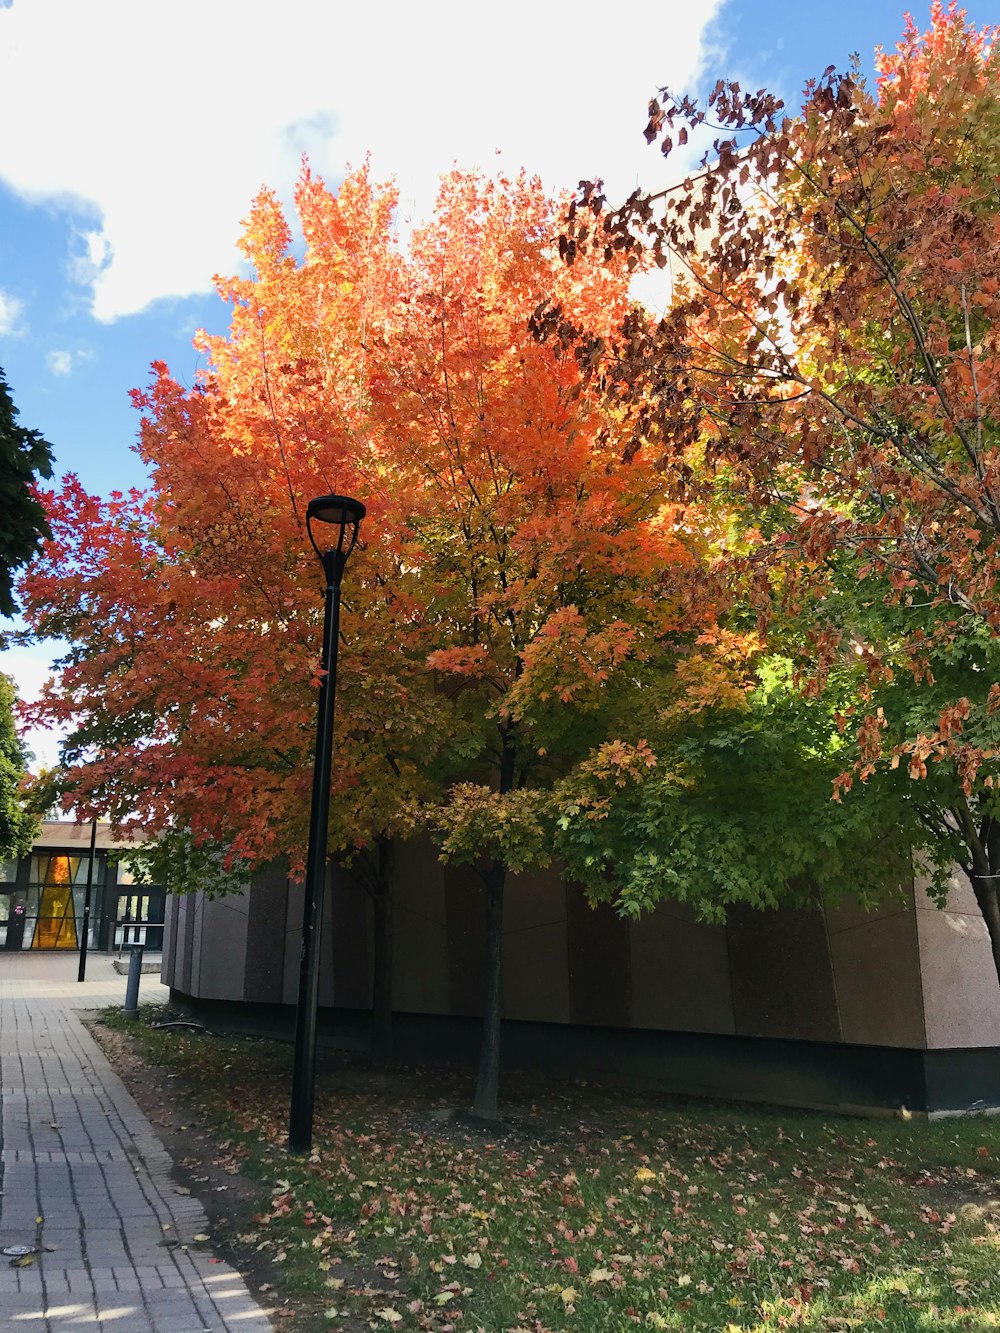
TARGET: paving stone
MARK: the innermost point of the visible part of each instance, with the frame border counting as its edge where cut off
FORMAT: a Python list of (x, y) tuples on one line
[(76, 1150)]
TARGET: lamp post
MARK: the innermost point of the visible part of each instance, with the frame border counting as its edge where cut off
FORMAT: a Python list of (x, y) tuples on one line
[(84, 933), (343, 516)]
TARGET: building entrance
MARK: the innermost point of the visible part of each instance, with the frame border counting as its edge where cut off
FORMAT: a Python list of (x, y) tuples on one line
[(42, 895), (47, 911)]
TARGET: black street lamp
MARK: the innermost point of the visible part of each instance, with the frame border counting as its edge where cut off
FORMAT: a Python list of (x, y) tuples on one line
[(81, 972), (344, 517)]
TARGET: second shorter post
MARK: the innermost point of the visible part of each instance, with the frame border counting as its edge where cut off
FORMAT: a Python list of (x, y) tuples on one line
[(132, 986)]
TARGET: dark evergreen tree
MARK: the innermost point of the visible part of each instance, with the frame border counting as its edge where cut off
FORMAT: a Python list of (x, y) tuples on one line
[(24, 456)]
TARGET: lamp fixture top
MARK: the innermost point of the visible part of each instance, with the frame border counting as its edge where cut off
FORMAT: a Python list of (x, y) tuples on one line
[(339, 510)]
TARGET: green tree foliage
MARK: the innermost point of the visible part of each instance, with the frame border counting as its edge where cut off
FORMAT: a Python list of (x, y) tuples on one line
[(732, 804), (932, 728), (17, 826), (174, 858), (24, 456)]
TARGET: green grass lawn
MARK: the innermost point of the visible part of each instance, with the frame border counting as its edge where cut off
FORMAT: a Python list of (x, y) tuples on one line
[(595, 1209)]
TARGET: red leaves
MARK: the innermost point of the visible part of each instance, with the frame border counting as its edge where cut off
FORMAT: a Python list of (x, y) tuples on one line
[(831, 352)]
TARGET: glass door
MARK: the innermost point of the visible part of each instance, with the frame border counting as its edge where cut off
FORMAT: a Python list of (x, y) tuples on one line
[(53, 903), (133, 914)]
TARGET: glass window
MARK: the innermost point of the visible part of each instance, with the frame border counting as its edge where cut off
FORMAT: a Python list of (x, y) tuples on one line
[(82, 865), (8, 872), (59, 869)]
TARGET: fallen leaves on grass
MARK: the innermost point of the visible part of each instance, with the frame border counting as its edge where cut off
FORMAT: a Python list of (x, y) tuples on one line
[(590, 1211)]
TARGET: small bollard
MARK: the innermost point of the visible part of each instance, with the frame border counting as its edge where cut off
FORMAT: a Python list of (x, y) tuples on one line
[(132, 986)]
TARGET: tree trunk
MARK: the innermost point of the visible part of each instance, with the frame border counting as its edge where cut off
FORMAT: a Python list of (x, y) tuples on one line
[(488, 1081), (485, 1104), (984, 870), (382, 965), (375, 868), (985, 884)]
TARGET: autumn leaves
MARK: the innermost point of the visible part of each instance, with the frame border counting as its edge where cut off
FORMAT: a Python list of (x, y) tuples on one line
[(582, 520)]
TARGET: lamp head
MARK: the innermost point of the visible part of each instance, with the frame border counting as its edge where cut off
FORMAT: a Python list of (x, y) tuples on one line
[(342, 517)]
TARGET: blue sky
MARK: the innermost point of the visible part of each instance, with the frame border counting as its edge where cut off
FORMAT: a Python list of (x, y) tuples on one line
[(136, 135)]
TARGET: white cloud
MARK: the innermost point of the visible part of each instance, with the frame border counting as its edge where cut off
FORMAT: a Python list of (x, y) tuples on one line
[(60, 363), (162, 122), (30, 668), (10, 314), (93, 253)]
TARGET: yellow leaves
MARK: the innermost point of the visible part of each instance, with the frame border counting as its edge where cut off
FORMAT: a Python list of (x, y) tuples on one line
[(473, 1259), (569, 659), (511, 824), (719, 673), (597, 1275), (612, 765)]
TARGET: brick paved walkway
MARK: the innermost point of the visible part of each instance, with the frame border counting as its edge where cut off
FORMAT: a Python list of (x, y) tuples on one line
[(82, 1171)]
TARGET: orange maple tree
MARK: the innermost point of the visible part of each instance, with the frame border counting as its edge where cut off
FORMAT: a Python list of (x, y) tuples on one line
[(193, 609), (554, 571), (516, 576)]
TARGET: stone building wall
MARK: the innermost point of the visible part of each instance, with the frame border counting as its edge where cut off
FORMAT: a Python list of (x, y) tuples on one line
[(838, 1008), (900, 976)]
